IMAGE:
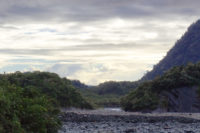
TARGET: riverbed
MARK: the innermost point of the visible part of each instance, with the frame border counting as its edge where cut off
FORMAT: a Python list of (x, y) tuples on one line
[(117, 121)]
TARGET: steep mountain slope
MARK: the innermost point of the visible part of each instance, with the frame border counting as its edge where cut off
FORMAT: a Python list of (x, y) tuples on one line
[(185, 50), (174, 83)]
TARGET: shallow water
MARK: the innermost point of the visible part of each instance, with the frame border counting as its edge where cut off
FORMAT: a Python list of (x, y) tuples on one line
[(113, 109)]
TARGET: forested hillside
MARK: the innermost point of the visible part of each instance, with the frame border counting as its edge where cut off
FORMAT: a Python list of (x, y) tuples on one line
[(30, 102), (107, 94), (177, 90), (113, 87)]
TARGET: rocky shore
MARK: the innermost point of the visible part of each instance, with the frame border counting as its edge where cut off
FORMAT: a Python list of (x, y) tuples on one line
[(101, 121)]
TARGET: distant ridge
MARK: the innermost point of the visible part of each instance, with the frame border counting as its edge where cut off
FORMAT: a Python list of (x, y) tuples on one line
[(186, 50)]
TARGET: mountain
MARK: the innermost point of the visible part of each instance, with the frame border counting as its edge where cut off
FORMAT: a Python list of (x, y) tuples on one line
[(184, 51), (174, 83)]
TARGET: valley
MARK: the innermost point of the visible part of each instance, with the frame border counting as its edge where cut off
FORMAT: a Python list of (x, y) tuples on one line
[(47, 99)]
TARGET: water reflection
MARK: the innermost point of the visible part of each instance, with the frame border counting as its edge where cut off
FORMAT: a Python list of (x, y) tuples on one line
[(113, 109)]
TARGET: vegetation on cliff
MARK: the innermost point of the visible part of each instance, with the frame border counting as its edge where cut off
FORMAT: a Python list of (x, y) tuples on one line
[(147, 95)]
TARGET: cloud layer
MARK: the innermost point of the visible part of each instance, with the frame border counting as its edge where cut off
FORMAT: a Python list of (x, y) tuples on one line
[(91, 40)]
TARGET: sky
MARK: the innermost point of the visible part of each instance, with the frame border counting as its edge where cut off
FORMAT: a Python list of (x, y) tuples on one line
[(91, 40)]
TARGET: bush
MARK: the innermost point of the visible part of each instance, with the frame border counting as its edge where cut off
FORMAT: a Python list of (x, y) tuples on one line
[(30, 102), (22, 113)]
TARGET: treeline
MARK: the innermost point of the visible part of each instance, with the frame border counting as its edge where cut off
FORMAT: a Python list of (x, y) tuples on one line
[(107, 94), (113, 87), (30, 102), (147, 95)]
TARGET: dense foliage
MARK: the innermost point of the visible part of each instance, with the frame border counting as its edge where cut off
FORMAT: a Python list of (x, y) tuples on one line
[(147, 95), (116, 88), (29, 102), (185, 50), (51, 85), (108, 94), (25, 110), (108, 100)]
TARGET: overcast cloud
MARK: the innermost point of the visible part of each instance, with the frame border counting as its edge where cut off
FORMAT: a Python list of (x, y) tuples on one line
[(91, 40)]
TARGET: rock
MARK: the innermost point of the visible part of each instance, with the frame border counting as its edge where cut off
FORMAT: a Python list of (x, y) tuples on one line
[(188, 131), (130, 131), (183, 99)]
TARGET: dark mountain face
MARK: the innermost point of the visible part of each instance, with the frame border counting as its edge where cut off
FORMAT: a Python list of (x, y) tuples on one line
[(186, 50)]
